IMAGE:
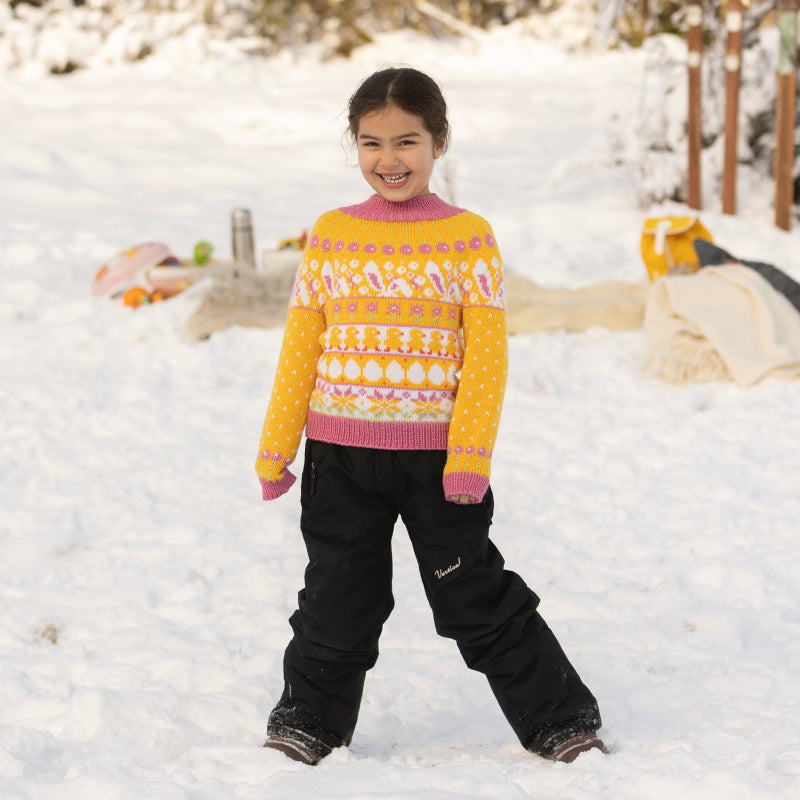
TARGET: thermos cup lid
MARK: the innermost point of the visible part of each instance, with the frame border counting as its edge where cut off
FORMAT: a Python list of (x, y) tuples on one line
[(241, 217)]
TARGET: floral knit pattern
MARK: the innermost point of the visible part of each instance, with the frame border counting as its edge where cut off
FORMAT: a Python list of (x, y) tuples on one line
[(395, 339)]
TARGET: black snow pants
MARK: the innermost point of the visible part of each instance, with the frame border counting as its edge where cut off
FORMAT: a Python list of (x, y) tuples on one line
[(351, 498)]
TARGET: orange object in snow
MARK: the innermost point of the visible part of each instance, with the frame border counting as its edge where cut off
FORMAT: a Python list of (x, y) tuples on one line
[(135, 296)]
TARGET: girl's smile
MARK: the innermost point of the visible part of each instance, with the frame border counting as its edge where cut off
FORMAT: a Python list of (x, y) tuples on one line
[(394, 180), (396, 153)]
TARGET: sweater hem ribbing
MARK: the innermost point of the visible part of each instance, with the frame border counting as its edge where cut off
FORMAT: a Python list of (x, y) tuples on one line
[(380, 435)]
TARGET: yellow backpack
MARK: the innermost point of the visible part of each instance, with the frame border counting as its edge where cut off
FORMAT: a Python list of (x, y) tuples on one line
[(668, 243)]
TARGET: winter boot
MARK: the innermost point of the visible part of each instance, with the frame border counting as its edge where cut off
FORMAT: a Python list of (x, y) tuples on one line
[(568, 750)]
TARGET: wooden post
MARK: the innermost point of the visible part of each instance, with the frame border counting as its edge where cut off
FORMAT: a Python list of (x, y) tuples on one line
[(733, 68), (784, 113), (694, 38)]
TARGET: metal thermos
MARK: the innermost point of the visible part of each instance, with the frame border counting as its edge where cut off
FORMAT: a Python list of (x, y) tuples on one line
[(244, 249)]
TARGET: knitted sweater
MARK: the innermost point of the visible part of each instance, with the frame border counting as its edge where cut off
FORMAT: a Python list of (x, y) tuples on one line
[(395, 339)]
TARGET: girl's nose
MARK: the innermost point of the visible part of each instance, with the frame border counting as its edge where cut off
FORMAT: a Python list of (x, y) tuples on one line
[(388, 157)]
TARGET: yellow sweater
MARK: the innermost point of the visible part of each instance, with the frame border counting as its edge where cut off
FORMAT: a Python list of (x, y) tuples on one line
[(395, 339)]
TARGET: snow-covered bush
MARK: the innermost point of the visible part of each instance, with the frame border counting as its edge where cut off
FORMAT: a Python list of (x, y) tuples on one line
[(59, 36), (661, 144)]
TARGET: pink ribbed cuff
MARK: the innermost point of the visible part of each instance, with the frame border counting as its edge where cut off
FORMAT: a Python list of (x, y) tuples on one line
[(271, 490), (465, 483)]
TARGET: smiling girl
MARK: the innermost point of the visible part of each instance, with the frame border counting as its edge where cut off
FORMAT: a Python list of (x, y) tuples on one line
[(394, 363)]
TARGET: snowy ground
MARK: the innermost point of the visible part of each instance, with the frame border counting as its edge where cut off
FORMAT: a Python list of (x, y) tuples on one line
[(144, 586)]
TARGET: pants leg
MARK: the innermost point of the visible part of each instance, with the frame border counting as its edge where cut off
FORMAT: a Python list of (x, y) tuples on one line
[(491, 613), (347, 524)]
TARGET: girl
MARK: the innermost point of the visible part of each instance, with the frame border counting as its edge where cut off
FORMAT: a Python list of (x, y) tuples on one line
[(394, 361)]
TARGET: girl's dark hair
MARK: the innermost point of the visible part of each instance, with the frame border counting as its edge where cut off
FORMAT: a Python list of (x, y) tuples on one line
[(408, 89)]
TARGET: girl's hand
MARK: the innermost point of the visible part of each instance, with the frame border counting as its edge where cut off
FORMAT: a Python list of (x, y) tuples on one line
[(462, 499)]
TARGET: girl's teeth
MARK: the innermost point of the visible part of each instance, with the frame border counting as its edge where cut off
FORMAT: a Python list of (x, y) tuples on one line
[(394, 178)]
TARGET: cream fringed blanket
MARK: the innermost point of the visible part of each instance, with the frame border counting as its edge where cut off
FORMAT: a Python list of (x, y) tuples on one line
[(721, 323)]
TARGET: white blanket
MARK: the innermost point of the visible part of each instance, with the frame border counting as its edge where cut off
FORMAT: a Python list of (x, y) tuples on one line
[(720, 323)]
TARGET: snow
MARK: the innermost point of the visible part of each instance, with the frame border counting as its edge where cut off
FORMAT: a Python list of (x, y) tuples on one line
[(145, 587)]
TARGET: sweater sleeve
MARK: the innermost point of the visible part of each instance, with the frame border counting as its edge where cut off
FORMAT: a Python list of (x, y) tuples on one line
[(294, 382), (479, 400)]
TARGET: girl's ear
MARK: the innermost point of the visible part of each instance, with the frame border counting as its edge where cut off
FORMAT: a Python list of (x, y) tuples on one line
[(438, 150)]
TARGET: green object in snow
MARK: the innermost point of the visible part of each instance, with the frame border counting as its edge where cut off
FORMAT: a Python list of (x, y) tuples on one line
[(202, 252)]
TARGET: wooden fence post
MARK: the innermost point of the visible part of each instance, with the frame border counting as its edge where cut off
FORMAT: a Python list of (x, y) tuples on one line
[(784, 113), (694, 39), (733, 67)]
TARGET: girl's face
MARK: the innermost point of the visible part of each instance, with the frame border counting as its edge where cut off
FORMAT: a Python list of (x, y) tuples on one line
[(396, 153)]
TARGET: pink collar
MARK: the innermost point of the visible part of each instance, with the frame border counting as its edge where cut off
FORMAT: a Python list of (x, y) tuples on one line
[(417, 209)]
